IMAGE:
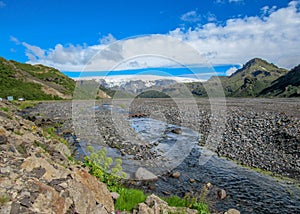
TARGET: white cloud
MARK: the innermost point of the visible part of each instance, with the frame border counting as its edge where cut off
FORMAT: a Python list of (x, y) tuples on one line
[(273, 36), (231, 71), (190, 16), (2, 4), (15, 40), (211, 17), (107, 39), (266, 10), (229, 1), (235, 1), (34, 53)]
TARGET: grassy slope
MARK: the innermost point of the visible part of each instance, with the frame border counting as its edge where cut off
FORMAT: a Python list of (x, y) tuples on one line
[(249, 81), (285, 86), (33, 82), (255, 75)]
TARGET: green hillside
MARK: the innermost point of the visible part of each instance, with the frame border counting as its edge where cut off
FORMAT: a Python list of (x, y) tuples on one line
[(285, 86), (33, 82), (252, 78), (249, 81)]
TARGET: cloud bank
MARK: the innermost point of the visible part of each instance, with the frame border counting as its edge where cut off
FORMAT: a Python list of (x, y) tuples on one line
[(272, 35)]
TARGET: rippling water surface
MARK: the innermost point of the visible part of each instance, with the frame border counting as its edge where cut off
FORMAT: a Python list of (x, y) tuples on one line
[(247, 190)]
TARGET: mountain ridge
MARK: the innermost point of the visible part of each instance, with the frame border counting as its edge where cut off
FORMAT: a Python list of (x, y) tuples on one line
[(256, 78), (248, 81), (285, 86)]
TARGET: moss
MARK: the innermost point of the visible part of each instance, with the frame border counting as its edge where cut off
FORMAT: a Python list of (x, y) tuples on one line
[(5, 109), (41, 145), (22, 149), (26, 104), (4, 199)]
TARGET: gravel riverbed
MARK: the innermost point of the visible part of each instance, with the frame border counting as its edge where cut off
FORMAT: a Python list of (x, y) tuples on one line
[(261, 133)]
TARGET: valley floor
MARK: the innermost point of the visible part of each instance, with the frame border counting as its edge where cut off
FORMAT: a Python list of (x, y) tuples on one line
[(260, 133)]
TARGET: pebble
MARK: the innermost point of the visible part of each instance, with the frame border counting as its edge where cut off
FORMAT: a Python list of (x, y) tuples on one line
[(176, 174), (221, 194), (192, 180)]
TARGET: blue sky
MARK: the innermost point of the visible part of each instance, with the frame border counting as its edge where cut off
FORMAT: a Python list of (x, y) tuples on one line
[(68, 34)]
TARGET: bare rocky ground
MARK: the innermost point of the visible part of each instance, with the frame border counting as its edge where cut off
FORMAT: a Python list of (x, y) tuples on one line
[(260, 133), (37, 174)]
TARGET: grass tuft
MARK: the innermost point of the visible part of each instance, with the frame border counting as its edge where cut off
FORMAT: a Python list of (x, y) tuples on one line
[(129, 199), (4, 199)]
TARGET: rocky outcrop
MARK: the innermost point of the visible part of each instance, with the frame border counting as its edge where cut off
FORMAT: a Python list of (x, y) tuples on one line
[(36, 175), (154, 204)]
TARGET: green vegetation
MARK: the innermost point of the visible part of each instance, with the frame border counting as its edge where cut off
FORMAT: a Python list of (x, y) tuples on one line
[(5, 109), (285, 86), (86, 90), (4, 199), (106, 169), (190, 202), (21, 149), (129, 199), (153, 94), (41, 145), (50, 133), (249, 81), (27, 81), (109, 92), (48, 74), (26, 104), (111, 174)]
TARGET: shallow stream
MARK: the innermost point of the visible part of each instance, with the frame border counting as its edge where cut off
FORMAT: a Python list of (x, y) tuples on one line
[(247, 190)]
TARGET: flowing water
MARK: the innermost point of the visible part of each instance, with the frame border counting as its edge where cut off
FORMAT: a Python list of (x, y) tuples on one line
[(247, 190)]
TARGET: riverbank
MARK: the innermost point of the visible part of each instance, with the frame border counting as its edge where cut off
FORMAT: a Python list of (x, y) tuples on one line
[(256, 122), (39, 175), (259, 133)]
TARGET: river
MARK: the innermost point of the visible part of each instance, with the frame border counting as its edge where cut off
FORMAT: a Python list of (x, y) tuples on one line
[(247, 190)]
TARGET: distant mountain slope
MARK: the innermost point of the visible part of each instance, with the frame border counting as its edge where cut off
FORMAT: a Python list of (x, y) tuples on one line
[(249, 81), (285, 86), (252, 78), (34, 82), (91, 89)]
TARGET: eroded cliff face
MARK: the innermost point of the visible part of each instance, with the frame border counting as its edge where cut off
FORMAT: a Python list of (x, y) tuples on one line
[(36, 175)]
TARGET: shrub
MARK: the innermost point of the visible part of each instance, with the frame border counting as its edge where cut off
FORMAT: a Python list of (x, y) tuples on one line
[(106, 169)]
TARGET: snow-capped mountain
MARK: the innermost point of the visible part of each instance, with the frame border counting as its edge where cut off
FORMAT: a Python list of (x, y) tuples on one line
[(138, 83)]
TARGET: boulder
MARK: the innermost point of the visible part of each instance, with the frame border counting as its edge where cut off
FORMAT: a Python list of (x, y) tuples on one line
[(154, 204), (232, 211), (177, 131), (115, 195), (89, 186), (144, 174)]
